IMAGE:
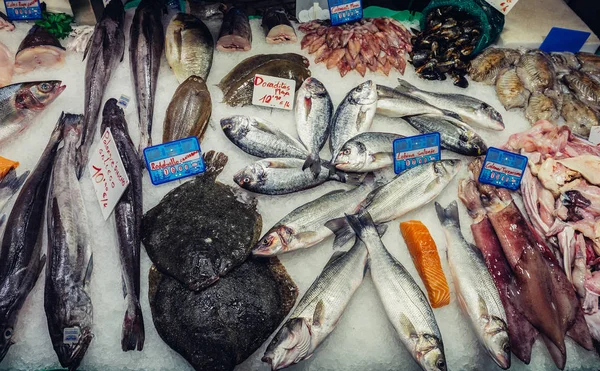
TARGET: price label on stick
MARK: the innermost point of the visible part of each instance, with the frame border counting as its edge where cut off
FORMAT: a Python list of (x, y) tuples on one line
[(18, 10), (503, 169), (503, 6), (108, 173), (174, 160), (416, 150), (595, 135), (274, 92), (343, 11)]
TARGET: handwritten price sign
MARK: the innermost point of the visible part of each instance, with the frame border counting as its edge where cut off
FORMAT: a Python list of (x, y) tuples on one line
[(108, 174), (274, 92), (503, 6)]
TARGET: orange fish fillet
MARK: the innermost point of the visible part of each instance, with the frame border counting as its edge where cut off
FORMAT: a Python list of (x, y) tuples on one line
[(6, 165), (427, 261)]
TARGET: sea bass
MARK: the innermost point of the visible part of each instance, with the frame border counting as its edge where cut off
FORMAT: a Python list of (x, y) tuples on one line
[(104, 53), (147, 41), (394, 103), (67, 300), (128, 217), (20, 103), (21, 261), (366, 152)]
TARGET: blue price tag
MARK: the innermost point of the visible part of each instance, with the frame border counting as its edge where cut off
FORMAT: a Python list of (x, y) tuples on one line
[(417, 150), (503, 169), (17, 10), (174, 160), (343, 11), (564, 40)]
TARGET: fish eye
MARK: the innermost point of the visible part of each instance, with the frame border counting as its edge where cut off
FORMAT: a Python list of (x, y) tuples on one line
[(45, 87), (440, 364), (246, 180), (346, 151), (506, 347), (8, 333)]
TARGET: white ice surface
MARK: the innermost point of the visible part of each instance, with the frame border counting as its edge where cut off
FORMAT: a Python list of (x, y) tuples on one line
[(363, 340)]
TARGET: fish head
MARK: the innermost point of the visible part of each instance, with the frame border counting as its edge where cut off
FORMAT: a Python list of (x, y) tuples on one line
[(496, 341), (314, 87), (364, 94), (250, 176), (351, 157), (6, 335), (445, 170), (290, 345), (488, 115), (274, 242), (71, 355), (37, 95), (235, 127), (429, 353)]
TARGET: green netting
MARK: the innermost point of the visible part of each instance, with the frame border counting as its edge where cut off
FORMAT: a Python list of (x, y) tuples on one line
[(491, 20)]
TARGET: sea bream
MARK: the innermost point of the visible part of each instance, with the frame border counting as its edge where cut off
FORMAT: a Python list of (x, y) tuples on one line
[(366, 152), (67, 300)]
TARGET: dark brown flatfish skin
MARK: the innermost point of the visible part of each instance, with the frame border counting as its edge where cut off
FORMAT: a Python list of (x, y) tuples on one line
[(221, 326)]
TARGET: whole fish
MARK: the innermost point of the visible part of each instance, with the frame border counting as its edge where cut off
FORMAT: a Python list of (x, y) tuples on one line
[(21, 261), (540, 107), (454, 135), (104, 53), (510, 90), (305, 226), (7, 66), (313, 113), (278, 176), (394, 103), (278, 27), (128, 217), (260, 138), (147, 41), (536, 71), (475, 288), (366, 152), (471, 110), (20, 103), (5, 23), (354, 115), (578, 116), (67, 299), (404, 302), (9, 185), (584, 87), (189, 111), (589, 62), (189, 47), (39, 48), (235, 33), (319, 310), (487, 66)]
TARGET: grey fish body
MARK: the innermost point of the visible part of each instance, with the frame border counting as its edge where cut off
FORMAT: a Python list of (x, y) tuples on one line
[(541, 107), (366, 152), (536, 71), (9, 185), (394, 103), (128, 216), (67, 301), (578, 116), (584, 87), (510, 90)]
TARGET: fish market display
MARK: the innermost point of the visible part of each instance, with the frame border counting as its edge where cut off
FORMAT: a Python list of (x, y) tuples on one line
[(198, 257), (313, 111), (278, 27), (578, 116), (104, 52), (260, 138), (5, 23), (536, 71), (319, 310), (510, 90), (424, 254), (377, 44), (189, 47), (9, 185), (21, 259), (394, 103), (478, 296), (445, 45), (7, 66), (305, 226), (540, 107), (21, 103), (147, 41), (39, 49), (488, 65), (564, 62), (584, 87), (235, 34), (69, 256), (403, 301), (128, 217), (366, 152), (189, 111)]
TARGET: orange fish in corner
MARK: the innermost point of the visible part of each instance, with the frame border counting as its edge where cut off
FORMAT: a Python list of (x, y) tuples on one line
[(6, 165)]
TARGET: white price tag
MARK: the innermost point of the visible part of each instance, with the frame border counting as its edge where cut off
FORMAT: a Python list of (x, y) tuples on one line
[(503, 6), (71, 335), (595, 135), (108, 173), (273, 92)]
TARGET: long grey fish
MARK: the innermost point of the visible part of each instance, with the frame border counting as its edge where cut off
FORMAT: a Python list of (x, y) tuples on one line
[(354, 115), (128, 217), (104, 53), (394, 103), (21, 260), (319, 310), (471, 110), (313, 113), (305, 226), (366, 152), (67, 300), (404, 302), (260, 138), (477, 294), (147, 42), (9, 185)]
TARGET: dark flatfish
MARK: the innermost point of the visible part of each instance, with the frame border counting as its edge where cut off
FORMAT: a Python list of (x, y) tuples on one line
[(221, 326), (200, 231)]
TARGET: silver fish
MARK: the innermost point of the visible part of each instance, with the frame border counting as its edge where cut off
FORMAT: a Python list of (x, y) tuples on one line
[(510, 90), (67, 300), (404, 302), (584, 87), (536, 71), (471, 111), (366, 152), (540, 107), (394, 103), (354, 115), (305, 226), (260, 138), (475, 288), (319, 310), (9, 185), (578, 116), (313, 113), (487, 66)]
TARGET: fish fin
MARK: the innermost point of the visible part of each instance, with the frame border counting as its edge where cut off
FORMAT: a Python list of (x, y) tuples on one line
[(341, 229), (449, 215), (451, 114), (88, 46), (88, 271), (381, 229), (214, 162), (381, 156), (350, 178), (483, 308), (407, 326), (278, 164), (558, 356), (362, 224), (319, 314), (314, 162), (361, 117), (405, 87), (335, 256), (132, 335)]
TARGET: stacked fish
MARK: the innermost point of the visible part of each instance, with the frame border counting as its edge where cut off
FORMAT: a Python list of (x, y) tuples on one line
[(546, 85), (376, 43)]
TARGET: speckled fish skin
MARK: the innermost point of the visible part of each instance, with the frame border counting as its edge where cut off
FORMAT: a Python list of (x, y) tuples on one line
[(589, 62), (578, 116), (313, 111), (486, 67), (404, 302), (366, 152), (235, 33), (536, 71), (510, 90), (189, 111), (67, 300), (260, 138), (540, 107), (584, 87), (319, 310)]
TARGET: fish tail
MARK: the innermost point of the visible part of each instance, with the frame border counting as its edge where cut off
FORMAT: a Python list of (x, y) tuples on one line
[(342, 230), (405, 86), (449, 215), (313, 161), (350, 178), (452, 114), (132, 337), (11, 182), (362, 224)]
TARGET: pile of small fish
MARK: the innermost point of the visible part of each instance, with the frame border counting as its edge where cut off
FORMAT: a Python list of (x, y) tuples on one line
[(377, 44), (546, 85), (445, 45)]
